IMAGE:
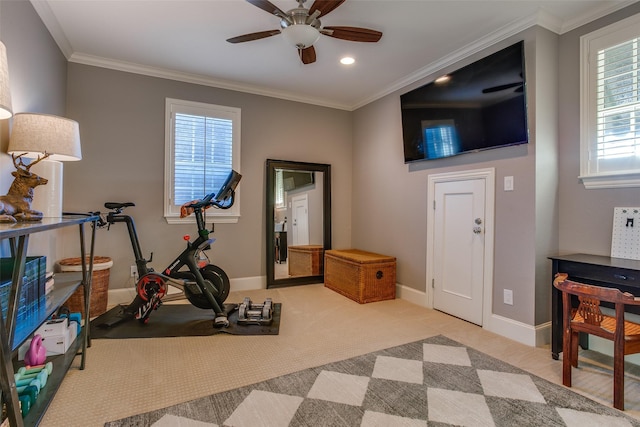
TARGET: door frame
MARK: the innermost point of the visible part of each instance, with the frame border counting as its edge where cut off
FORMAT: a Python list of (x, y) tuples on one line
[(488, 174)]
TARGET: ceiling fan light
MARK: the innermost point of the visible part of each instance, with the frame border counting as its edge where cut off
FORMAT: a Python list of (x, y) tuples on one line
[(300, 35)]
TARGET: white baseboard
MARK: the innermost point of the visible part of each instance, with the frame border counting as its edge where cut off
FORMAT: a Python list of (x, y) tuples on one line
[(411, 295), (521, 332), (248, 283), (534, 336), (126, 295), (120, 296)]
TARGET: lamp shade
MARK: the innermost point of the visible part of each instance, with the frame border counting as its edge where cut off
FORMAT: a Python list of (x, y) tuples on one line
[(6, 110), (301, 36), (37, 134)]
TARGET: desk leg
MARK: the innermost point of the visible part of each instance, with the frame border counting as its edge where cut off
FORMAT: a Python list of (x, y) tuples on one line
[(556, 316)]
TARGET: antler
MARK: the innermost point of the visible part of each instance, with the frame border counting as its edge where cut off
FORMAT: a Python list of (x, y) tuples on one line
[(25, 167)]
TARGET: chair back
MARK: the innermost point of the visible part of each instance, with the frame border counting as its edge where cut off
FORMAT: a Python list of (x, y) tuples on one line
[(600, 293)]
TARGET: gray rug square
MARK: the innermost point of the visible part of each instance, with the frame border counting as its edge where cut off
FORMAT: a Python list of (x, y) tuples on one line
[(434, 382)]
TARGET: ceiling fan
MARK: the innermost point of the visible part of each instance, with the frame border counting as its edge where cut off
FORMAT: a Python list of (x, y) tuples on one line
[(302, 27)]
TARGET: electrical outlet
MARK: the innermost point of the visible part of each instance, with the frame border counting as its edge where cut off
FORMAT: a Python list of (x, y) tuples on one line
[(508, 296), (134, 271)]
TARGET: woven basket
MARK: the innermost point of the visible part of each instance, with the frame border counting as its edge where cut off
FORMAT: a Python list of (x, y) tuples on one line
[(306, 260), (361, 276), (99, 285)]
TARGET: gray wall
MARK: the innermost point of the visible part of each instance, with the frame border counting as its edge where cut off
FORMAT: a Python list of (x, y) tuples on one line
[(122, 128), (38, 79), (586, 216), (393, 200)]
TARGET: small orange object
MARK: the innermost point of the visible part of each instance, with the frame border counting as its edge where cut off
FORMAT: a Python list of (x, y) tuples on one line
[(186, 237)]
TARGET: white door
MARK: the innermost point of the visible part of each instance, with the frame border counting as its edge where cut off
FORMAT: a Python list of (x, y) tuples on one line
[(300, 225), (459, 248)]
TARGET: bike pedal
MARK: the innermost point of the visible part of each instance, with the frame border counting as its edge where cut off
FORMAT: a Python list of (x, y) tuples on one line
[(221, 322)]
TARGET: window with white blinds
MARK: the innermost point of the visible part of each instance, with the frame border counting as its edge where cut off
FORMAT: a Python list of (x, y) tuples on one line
[(202, 146), (610, 137)]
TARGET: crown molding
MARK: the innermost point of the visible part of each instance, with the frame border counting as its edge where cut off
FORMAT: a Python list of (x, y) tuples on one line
[(541, 18), (50, 21), (129, 67)]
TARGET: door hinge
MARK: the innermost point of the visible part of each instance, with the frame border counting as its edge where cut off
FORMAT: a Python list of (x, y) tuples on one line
[(433, 283), (434, 205)]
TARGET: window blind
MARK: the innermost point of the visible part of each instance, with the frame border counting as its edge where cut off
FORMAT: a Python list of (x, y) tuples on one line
[(618, 104), (203, 148)]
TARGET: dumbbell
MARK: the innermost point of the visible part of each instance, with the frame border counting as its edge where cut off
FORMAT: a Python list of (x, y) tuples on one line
[(40, 380), (25, 376), (35, 369), (25, 405), (27, 396)]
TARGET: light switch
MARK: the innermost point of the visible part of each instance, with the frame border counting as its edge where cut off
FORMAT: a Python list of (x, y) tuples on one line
[(508, 183)]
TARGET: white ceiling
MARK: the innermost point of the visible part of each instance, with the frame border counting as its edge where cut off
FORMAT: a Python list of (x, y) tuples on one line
[(186, 40)]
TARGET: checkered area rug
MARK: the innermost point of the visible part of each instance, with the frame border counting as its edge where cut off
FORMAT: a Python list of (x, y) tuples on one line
[(434, 382)]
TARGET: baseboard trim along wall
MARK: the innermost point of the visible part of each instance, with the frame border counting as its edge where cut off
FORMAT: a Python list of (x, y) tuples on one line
[(535, 336)]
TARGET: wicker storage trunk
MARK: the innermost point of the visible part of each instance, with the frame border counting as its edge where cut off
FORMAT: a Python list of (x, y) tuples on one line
[(306, 260), (359, 275)]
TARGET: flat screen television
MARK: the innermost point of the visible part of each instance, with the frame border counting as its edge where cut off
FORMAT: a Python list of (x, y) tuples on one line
[(477, 107)]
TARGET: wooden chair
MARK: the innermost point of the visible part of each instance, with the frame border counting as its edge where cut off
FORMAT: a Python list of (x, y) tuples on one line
[(588, 318)]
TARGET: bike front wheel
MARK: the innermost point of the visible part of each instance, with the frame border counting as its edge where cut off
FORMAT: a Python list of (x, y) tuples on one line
[(216, 277)]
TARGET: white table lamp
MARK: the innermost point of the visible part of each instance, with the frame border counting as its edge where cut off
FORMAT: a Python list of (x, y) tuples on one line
[(58, 138)]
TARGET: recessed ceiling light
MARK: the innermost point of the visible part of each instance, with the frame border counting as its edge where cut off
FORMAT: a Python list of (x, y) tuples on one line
[(443, 79), (347, 60)]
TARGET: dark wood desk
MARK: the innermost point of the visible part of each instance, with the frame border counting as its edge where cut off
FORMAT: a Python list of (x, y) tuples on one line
[(623, 274)]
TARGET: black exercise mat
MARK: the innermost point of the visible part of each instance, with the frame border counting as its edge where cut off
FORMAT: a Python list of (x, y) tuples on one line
[(180, 320)]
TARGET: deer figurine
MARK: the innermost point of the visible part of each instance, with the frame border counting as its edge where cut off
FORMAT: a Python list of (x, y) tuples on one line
[(15, 206)]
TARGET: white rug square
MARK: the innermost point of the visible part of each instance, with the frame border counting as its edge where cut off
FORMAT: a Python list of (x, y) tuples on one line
[(458, 408), (393, 368), (264, 409), (339, 388), (573, 418), (511, 386), (437, 353), (378, 419), (175, 421)]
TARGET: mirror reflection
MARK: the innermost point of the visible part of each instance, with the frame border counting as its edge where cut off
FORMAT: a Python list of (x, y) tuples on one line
[(298, 222)]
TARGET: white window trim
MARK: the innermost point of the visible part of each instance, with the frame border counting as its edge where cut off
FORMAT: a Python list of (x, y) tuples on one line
[(212, 215), (590, 44)]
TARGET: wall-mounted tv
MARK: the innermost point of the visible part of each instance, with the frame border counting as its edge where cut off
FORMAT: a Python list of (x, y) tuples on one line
[(477, 107)]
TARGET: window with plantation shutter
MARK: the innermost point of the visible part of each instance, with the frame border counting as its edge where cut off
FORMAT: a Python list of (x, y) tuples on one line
[(610, 106), (202, 146)]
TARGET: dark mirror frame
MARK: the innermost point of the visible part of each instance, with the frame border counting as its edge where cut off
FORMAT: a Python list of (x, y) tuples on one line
[(272, 165)]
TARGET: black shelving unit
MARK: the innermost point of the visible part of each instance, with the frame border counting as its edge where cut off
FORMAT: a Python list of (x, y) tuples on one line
[(13, 334)]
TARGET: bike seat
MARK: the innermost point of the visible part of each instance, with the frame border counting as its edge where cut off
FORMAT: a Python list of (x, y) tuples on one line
[(117, 205)]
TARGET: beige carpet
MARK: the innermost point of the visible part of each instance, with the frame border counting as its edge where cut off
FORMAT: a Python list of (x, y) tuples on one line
[(128, 377)]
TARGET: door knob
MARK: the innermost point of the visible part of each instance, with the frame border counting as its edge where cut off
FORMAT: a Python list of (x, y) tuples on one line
[(477, 230), (478, 221)]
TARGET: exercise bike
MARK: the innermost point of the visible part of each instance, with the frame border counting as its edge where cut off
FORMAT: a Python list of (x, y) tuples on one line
[(205, 285)]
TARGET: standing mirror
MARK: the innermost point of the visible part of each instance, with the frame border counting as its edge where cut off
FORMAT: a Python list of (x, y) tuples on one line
[(298, 212)]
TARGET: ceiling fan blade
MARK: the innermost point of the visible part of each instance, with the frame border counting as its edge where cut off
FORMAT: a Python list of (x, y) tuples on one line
[(253, 36), (308, 55), (267, 6), (501, 87), (353, 34), (325, 6)]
